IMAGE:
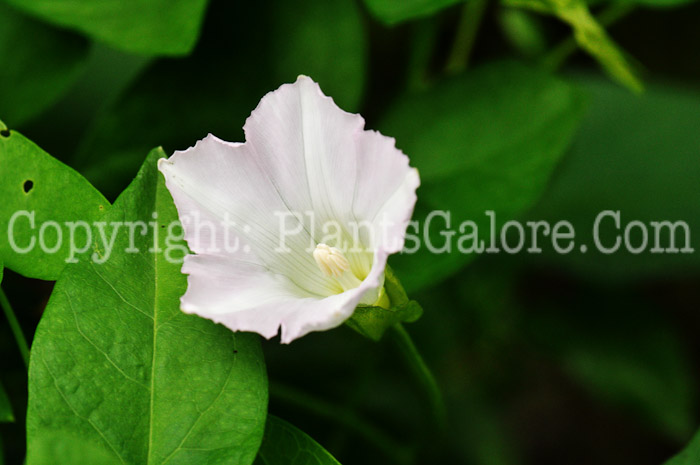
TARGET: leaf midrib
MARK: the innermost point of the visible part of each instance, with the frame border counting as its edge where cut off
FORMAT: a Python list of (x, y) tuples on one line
[(155, 332)]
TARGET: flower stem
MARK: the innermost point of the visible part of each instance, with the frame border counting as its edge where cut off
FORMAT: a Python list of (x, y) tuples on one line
[(556, 58), (422, 372), (469, 22), (15, 327)]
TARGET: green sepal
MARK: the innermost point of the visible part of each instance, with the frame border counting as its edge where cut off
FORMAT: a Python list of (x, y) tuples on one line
[(372, 321)]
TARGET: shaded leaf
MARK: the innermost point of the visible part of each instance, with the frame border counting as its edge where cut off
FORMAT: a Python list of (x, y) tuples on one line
[(285, 444), (34, 183), (149, 27), (39, 63), (221, 83), (115, 362), (308, 37), (395, 11), (636, 155), (491, 142), (625, 354)]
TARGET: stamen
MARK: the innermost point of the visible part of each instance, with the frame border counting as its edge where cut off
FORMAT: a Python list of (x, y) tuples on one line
[(330, 260)]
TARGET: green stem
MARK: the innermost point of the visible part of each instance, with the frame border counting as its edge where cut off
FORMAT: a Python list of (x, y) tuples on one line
[(422, 45), (556, 58), (422, 372), (469, 22), (15, 327), (347, 418)]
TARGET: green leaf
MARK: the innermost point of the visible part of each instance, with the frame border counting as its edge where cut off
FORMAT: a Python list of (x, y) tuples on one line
[(285, 444), (308, 37), (395, 11), (6, 415), (486, 141), (590, 36), (636, 155), (39, 63), (115, 362), (214, 94), (58, 447), (690, 455), (34, 183), (150, 27)]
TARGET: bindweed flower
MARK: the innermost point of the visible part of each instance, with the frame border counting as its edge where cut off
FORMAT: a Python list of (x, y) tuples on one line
[(313, 203)]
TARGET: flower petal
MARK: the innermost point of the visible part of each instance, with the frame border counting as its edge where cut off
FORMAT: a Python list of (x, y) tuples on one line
[(385, 194), (247, 297), (307, 145), (320, 156), (216, 181)]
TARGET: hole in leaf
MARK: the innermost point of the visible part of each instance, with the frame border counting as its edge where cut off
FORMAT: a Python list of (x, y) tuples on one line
[(5, 133), (28, 185)]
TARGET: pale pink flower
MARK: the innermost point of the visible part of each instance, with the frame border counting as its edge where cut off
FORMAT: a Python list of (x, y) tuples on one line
[(305, 163)]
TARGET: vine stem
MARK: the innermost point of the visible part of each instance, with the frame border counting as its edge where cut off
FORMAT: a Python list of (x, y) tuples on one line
[(469, 23), (15, 327), (561, 52), (422, 372)]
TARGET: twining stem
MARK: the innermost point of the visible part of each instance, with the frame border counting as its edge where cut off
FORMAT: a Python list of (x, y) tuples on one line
[(346, 417), (15, 327), (469, 22), (422, 372), (561, 52)]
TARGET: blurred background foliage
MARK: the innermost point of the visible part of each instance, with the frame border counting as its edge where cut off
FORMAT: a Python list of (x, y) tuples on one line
[(570, 359)]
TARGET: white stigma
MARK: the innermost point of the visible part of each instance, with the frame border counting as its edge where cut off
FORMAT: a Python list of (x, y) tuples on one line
[(330, 260)]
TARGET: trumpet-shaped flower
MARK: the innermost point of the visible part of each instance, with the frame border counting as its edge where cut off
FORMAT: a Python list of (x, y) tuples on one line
[(291, 229)]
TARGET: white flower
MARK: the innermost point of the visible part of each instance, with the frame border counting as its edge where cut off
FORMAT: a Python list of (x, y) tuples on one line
[(305, 164)]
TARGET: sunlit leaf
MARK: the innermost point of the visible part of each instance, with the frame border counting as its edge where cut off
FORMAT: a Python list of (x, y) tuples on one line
[(36, 191), (58, 447), (115, 361)]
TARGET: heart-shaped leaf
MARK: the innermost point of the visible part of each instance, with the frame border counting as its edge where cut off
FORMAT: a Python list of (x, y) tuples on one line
[(115, 362)]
